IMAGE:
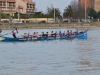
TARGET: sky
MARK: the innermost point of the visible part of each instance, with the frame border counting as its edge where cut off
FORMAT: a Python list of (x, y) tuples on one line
[(41, 5)]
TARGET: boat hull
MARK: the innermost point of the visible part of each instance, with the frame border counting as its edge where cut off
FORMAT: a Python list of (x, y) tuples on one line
[(78, 36)]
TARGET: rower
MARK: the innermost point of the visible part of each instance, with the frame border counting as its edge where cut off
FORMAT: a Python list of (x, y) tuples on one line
[(25, 35), (56, 33), (64, 33), (68, 33), (44, 35), (47, 34), (60, 34), (34, 34), (71, 32), (52, 33)]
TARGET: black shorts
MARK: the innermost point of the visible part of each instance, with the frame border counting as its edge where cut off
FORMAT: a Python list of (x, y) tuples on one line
[(14, 35)]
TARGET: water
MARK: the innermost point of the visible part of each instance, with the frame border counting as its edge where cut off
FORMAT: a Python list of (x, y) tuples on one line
[(58, 57)]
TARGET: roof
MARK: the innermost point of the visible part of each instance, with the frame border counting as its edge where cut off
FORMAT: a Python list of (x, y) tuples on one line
[(11, 1), (7, 0), (29, 1)]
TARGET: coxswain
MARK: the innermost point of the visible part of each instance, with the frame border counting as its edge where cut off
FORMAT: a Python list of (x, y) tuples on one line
[(76, 32), (14, 32)]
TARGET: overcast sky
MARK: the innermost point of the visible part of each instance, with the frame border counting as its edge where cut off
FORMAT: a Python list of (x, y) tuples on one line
[(41, 5)]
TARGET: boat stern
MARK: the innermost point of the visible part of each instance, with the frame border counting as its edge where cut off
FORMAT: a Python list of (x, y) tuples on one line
[(2, 39)]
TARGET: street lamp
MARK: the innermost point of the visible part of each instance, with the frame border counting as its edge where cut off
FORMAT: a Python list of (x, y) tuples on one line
[(18, 11), (54, 11), (85, 10)]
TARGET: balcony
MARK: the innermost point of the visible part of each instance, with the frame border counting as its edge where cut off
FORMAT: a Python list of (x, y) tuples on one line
[(30, 11), (30, 6), (8, 11)]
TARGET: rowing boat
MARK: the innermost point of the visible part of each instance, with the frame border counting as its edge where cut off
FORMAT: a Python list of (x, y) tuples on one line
[(82, 35)]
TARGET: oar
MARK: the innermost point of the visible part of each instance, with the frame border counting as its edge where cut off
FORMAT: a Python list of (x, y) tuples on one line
[(6, 34)]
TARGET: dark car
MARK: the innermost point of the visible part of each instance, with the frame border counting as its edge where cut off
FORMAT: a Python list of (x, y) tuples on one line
[(5, 21), (74, 20), (65, 21), (43, 21)]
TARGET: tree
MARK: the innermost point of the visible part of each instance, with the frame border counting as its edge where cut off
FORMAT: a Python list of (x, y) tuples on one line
[(74, 5), (98, 14), (92, 13), (50, 12), (68, 11), (38, 15), (3, 15)]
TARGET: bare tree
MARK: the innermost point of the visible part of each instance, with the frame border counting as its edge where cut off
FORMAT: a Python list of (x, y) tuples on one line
[(74, 5), (50, 12), (78, 11)]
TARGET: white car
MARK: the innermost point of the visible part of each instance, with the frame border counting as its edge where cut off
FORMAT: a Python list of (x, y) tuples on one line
[(51, 21), (17, 22)]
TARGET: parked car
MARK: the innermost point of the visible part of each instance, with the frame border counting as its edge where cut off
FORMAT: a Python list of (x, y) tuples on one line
[(17, 22), (51, 21), (74, 20), (5, 21), (43, 21), (64, 21)]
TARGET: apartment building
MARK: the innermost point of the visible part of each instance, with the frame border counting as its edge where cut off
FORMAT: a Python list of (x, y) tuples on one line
[(84, 3), (13, 6), (8, 6), (97, 5), (26, 6), (90, 3)]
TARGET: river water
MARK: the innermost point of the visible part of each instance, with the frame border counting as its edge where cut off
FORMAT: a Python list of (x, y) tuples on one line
[(58, 57)]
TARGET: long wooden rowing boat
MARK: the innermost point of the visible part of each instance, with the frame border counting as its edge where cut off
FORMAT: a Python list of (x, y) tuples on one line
[(82, 35)]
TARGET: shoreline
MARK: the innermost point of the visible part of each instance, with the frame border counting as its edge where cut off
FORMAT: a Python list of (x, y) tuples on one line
[(48, 26)]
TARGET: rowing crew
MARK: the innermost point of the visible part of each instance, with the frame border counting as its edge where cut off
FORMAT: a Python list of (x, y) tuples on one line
[(35, 34)]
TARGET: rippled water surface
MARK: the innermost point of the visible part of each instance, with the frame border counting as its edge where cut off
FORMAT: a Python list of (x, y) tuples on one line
[(58, 57)]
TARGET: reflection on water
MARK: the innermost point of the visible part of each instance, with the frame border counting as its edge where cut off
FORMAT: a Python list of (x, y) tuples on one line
[(59, 57)]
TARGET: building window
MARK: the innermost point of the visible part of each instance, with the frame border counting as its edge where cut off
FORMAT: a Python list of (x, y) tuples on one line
[(4, 4), (31, 6), (27, 5), (11, 4), (0, 3), (79, 0), (14, 4)]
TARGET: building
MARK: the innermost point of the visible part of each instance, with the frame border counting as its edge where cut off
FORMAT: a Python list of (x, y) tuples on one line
[(84, 3), (90, 3), (8, 6), (97, 5), (13, 6), (26, 6)]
